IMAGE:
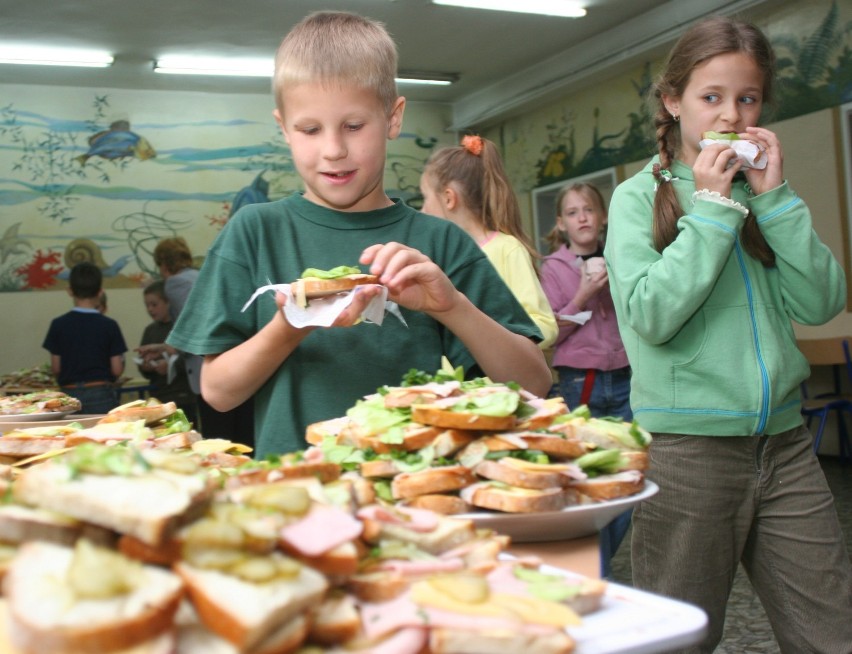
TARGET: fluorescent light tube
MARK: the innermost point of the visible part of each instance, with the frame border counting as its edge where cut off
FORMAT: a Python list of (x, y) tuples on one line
[(546, 7), (419, 80), (38, 56), (187, 65)]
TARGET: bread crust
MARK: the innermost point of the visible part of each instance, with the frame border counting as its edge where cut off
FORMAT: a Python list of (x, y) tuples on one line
[(431, 480), (505, 471), (610, 487), (315, 287), (497, 499), (439, 503), (428, 414), (108, 625)]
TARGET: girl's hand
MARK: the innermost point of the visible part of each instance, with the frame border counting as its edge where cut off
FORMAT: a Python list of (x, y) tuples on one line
[(413, 280), (590, 285), (773, 175), (711, 169)]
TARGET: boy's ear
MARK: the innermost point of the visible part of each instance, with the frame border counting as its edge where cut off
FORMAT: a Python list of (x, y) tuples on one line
[(280, 120), (395, 122)]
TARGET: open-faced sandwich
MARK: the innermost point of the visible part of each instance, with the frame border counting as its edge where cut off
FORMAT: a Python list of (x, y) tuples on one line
[(315, 283)]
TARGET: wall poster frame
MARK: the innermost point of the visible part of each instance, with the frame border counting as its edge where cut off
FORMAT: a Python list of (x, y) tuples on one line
[(544, 200)]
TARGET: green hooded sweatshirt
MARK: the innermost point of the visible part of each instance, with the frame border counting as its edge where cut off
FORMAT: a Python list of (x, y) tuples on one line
[(707, 328)]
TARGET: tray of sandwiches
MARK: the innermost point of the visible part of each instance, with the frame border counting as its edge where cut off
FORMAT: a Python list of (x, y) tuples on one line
[(37, 406), (139, 535), (493, 453)]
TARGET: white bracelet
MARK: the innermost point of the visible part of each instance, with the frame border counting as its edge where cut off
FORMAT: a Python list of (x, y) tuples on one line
[(718, 198)]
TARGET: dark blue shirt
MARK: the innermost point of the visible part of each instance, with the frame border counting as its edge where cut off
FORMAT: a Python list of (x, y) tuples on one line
[(85, 340)]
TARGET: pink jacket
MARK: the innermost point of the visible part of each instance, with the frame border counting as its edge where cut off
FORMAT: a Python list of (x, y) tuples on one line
[(596, 344)]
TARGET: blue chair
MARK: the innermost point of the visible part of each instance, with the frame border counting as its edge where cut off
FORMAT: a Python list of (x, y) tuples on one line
[(834, 352)]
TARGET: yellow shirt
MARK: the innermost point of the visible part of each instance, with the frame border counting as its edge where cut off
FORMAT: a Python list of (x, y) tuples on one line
[(511, 259)]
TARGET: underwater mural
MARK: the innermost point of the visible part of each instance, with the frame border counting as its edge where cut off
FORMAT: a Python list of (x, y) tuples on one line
[(814, 71), (103, 177)]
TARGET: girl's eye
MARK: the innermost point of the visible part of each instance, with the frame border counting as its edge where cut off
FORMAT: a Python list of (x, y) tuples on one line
[(354, 127), (711, 97), (747, 99), (310, 130)]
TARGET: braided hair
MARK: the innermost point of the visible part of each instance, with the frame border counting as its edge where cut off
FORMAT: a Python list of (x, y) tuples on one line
[(703, 41)]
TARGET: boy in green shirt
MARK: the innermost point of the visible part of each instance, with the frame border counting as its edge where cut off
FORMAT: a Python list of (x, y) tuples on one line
[(337, 106)]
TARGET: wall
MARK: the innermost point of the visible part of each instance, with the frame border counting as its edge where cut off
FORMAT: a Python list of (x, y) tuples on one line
[(57, 202)]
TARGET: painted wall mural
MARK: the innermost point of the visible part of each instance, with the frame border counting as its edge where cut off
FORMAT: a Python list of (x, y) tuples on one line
[(103, 176), (588, 132)]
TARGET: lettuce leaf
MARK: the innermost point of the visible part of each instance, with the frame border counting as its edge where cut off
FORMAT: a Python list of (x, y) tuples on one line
[(334, 273), (494, 404), (375, 418)]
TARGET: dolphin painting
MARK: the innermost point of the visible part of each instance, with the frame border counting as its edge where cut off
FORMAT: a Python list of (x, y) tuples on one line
[(254, 193)]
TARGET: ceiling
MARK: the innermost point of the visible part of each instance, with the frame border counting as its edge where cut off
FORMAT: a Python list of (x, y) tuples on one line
[(507, 62)]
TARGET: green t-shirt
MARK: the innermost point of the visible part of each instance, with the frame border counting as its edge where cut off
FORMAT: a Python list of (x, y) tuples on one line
[(332, 368)]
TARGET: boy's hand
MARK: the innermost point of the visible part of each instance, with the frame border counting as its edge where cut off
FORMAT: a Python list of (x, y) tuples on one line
[(413, 280)]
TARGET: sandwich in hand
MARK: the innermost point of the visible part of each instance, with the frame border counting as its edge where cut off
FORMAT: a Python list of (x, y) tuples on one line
[(315, 283), (750, 153)]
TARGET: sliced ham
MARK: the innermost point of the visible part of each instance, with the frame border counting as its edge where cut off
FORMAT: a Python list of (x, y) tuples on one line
[(415, 519), (322, 529)]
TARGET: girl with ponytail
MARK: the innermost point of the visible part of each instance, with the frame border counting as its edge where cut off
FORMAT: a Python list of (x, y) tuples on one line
[(710, 260), (467, 184)]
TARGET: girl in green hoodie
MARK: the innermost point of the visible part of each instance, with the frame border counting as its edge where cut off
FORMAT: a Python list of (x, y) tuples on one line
[(709, 262)]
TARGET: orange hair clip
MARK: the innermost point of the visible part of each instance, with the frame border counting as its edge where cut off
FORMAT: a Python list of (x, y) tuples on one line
[(472, 144)]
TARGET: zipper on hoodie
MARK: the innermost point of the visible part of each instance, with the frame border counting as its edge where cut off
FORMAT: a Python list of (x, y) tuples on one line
[(764, 376)]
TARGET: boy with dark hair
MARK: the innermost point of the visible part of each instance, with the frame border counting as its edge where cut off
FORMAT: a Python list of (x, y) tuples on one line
[(86, 347), (337, 106)]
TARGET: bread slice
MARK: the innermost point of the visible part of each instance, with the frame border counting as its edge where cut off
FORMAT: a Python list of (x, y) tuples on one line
[(196, 637), (314, 287), (19, 524), (443, 503), (23, 443), (336, 620), (430, 414), (610, 487), (414, 437), (246, 613), (48, 615), (519, 500), (430, 481), (151, 411), (446, 534), (150, 506), (324, 471), (523, 474)]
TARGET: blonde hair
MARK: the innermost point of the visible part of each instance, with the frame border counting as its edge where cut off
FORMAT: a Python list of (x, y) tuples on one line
[(337, 47), (556, 237), (480, 180), (706, 39)]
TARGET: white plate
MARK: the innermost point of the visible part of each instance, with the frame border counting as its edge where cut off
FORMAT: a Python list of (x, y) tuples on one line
[(34, 417), (571, 522), (632, 621)]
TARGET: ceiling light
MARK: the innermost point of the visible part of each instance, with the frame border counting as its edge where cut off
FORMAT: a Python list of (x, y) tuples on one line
[(546, 7), (187, 65), (38, 56), (434, 79)]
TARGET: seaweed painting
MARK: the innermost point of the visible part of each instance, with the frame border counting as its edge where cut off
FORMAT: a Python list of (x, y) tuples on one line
[(814, 72)]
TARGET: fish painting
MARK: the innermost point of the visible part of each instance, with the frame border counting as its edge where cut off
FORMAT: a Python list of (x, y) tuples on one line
[(117, 142), (254, 193)]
